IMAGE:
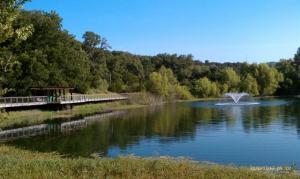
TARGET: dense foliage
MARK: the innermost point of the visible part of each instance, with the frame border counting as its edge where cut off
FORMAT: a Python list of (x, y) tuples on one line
[(10, 36), (36, 51)]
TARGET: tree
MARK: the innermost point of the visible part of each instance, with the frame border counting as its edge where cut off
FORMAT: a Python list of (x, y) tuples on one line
[(10, 10), (249, 85), (93, 40), (268, 79), (165, 84), (205, 88), (182, 92), (50, 57), (125, 72), (160, 82), (291, 74), (36, 51), (231, 78), (215, 91), (11, 35), (297, 57), (181, 65)]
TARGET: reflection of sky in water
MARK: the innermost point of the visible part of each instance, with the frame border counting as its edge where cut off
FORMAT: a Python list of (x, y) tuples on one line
[(223, 146), (264, 134), (246, 136)]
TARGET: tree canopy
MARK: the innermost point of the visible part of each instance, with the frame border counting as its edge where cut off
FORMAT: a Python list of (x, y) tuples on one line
[(36, 51), (10, 36)]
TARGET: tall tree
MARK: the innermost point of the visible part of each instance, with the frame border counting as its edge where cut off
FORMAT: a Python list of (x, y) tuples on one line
[(93, 40), (10, 35), (297, 56), (97, 53), (268, 79), (50, 57), (231, 78), (206, 88), (291, 74), (165, 84), (10, 10), (249, 85)]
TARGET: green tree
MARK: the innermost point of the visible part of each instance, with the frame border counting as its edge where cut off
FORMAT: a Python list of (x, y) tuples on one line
[(125, 72), (93, 40), (268, 79), (96, 51), (249, 85), (50, 57), (205, 88), (297, 57), (231, 78), (182, 92), (291, 74), (10, 35), (215, 91), (10, 10), (160, 82), (165, 84)]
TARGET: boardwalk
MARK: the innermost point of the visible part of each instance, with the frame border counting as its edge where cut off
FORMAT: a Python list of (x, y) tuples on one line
[(13, 102)]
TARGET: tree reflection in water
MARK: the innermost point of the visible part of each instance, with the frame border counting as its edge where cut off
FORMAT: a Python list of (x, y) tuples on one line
[(168, 124)]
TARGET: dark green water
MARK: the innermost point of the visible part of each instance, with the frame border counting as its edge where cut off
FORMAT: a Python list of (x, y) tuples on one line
[(267, 134)]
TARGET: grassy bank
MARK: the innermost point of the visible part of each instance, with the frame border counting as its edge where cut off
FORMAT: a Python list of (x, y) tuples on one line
[(31, 117), (16, 163)]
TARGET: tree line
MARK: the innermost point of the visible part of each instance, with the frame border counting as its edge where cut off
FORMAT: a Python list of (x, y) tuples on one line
[(36, 51)]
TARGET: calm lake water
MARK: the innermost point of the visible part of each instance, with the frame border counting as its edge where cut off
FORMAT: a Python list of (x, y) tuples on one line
[(267, 134)]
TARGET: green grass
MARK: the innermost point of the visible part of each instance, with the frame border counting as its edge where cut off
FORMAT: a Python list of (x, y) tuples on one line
[(17, 163), (31, 117)]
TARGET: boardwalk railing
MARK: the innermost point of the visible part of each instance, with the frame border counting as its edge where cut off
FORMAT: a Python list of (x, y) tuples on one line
[(89, 98), (7, 102)]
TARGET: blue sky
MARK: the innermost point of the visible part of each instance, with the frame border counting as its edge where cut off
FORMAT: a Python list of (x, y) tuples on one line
[(215, 30)]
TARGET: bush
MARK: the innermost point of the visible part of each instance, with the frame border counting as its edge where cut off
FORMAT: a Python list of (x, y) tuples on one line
[(165, 84), (182, 92), (205, 88)]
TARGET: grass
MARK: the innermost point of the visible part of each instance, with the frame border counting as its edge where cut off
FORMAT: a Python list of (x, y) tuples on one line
[(17, 163), (31, 117)]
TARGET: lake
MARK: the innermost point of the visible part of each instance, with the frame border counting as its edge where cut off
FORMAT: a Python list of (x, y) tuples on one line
[(267, 134)]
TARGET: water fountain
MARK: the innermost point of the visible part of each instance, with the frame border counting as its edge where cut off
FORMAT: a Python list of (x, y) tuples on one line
[(237, 99)]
